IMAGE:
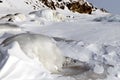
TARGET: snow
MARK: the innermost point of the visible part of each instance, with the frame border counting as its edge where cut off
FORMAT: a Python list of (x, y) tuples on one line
[(98, 69), (11, 28), (15, 68), (48, 14), (42, 48), (92, 43)]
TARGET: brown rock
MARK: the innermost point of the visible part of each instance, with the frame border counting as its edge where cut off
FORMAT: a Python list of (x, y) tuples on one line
[(77, 7)]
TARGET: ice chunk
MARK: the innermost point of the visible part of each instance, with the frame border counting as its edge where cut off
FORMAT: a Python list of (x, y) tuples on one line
[(20, 67), (37, 46), (99, 69)]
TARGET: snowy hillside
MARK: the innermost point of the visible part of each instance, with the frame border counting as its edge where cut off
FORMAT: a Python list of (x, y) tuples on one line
[(80, 6), (54, 40)]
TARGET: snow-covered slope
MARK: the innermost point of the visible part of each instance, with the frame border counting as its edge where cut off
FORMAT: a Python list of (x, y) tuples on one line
[(77, 46), (80, 6)]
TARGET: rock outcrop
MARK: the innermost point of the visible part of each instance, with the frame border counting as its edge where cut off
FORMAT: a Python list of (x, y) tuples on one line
[(80, 6)]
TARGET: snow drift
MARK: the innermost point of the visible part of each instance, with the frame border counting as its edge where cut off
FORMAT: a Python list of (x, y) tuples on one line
[(39, 47), (19, 66), (49, 15)]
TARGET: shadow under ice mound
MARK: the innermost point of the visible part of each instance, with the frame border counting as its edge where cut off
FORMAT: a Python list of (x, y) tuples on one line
[(3, 59)]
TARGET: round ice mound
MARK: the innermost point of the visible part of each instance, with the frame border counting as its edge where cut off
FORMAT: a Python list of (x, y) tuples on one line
[(39, 47)]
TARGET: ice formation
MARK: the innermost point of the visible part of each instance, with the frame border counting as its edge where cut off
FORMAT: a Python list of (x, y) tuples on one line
[(40, 47)]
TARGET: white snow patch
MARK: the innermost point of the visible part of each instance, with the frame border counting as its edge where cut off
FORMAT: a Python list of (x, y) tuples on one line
[(49, 15), (19, 66), (7, 27), (98, 69)]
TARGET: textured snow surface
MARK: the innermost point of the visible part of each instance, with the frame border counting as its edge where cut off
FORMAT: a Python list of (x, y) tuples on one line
[(92, 43)]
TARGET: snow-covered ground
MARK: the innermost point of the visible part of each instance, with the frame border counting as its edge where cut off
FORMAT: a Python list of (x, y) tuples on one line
[(92, 43)]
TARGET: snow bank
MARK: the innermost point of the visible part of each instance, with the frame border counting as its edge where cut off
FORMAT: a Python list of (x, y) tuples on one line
[(40, 47), (20, 67), (49, 15)]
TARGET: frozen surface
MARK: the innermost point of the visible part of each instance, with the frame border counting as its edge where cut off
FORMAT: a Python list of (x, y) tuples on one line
[(91, 40)]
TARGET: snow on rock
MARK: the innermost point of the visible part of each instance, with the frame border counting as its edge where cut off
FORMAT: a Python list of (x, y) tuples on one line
[(17, 17), (80, 6)]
